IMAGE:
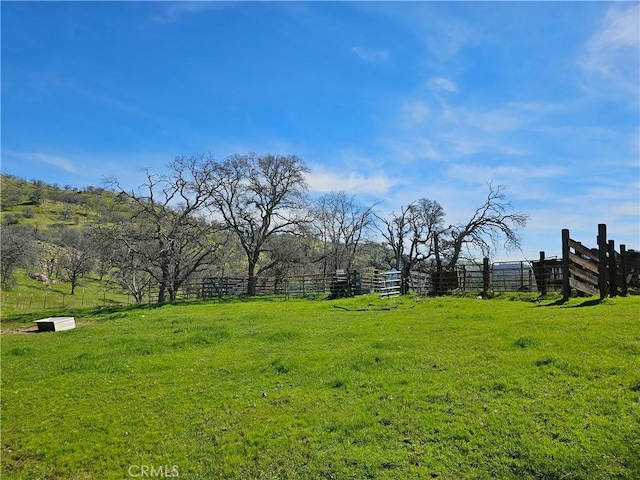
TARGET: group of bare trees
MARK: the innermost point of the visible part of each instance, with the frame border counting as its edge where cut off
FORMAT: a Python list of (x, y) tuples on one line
[(184, 221), (417, 236), (203, 212)]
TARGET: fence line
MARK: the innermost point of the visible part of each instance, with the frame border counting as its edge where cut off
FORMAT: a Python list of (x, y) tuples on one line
[(51, 299), (589, 271), (501, 277), (594, 271)]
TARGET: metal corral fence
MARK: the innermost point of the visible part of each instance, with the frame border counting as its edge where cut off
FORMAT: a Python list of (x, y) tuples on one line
[(339, 282), (517, 276), (470, 278), (509, 277)]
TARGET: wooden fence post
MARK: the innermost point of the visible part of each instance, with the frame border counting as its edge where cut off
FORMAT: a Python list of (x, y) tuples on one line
[(624, 288), (486, 275), (464, 278), (602, 260), (542, 275), (566, 286), (613, 269)]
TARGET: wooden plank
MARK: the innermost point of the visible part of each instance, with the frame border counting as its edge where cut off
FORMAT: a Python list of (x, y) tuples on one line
[(566, 253), (602, 259), (582, 287), (582, 250), (584, 263), (584, 276)]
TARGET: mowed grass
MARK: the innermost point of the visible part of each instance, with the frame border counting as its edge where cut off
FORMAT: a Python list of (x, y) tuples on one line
[(444, 388)]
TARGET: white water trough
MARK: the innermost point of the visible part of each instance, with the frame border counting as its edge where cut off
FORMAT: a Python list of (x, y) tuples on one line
[(56, 324)]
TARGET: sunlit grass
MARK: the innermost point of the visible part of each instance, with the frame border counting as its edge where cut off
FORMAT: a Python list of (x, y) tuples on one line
[(436, 388), (30, 295)]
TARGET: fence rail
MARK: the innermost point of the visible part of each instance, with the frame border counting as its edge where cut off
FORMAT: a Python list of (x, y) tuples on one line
[(594, 271), (503, 277), (53, 299), (602, 271)]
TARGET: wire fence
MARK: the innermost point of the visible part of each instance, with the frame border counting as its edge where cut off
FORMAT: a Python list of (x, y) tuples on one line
[(51, 299), (517, 276)]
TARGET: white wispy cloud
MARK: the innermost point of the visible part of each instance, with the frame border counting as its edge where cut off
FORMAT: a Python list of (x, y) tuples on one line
[(370, 55), (496, 120), (322, 180), (172, 12), (434, 129), (612, 202), (60, 162), (443, 84), (635, 145), (612, 53), (519, 178), (415, 111), (446, 35), (406, 149)]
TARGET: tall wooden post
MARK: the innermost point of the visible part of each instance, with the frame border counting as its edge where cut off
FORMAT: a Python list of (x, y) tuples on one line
[(613, 269), (437, 282), (464, 278), (486, 275), (566, 285), (624, 288), (602, 260), (521, 276), (542, 275)]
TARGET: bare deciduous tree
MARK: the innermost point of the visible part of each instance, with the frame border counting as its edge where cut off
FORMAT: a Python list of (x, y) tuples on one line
[(77, 256), (340, 222), (285, 254), (18, 251), (492, 222), (167, 233), (257, 197), (122, 265), (411, 235)]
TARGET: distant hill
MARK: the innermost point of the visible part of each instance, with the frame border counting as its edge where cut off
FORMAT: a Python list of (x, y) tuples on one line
[(38, 204)]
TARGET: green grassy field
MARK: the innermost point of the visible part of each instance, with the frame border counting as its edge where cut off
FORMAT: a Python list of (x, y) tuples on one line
[(31, 295), (445, 388)]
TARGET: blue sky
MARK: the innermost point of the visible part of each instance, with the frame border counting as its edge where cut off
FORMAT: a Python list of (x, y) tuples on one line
[(390, 101)]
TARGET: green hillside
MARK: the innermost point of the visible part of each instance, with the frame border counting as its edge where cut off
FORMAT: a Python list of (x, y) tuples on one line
[(38, 204)]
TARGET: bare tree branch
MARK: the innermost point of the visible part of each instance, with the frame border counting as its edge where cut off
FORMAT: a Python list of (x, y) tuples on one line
[(411, 235), (167, 236), (491, 222), (257, 197)]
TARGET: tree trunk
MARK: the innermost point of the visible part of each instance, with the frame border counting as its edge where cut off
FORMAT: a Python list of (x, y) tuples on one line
[(251, 285), (404, 278), (162, 292), (436, 281)]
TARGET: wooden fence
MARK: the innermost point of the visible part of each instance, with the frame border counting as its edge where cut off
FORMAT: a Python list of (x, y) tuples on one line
[(580, 268), (548, 273), (594, 271)]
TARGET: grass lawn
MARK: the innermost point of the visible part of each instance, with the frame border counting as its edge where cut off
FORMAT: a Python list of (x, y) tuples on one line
[(445, 388)]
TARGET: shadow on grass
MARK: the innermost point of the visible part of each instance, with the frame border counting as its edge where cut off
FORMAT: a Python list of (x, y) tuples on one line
[(592, 302), (24, 317), (111, 309)]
